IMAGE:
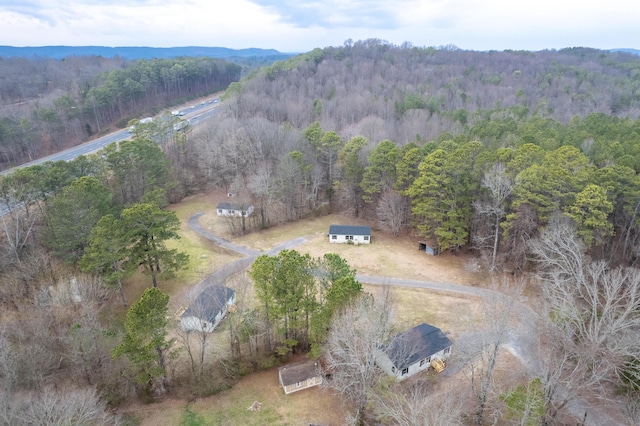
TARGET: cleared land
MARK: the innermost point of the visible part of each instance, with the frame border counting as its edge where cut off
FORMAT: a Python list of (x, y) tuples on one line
[(386, 256)]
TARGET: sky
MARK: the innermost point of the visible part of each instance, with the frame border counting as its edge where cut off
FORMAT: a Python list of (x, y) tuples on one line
[(302, 25)]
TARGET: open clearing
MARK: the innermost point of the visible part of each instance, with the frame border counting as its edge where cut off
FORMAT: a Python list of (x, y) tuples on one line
[(386, 256)]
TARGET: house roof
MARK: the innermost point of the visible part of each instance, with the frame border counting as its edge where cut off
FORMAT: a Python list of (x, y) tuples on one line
[(415, 344), (349, 230), (228, 206), (298, 372), (209, 303)]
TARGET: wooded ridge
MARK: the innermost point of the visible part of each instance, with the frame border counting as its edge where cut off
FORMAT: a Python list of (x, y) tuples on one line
[(527, 162)]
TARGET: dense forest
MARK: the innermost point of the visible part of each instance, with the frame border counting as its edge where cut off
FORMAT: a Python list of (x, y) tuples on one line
[(474, 150), (47, 105), (526, 161)]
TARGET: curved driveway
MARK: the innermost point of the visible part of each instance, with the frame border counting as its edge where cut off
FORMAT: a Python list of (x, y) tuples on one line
[(522, 340)]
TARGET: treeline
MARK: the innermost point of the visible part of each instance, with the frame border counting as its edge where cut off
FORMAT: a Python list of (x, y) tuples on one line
[(467, 173), (55, 206), (51, 105), (71, 233), (420, 138), (490, 194), (383, 91)]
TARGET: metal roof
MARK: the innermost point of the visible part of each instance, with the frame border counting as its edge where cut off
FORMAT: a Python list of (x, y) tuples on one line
[(349, 230)]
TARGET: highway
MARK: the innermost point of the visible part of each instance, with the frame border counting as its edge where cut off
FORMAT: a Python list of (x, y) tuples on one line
[(195, 114)]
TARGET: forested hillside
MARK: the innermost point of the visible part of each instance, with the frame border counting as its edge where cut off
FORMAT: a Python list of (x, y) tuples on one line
[(137, 52), (473, 150), (526, 162), (47, 105), (388, 92)]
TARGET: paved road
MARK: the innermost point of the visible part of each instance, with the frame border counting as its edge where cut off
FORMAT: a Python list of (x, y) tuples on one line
[(195, 114), (522, 339)]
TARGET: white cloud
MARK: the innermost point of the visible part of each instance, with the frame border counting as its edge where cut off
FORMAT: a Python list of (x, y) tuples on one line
[(298, 25)]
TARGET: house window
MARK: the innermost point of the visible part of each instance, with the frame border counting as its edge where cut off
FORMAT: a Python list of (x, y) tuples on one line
[(297, 384), (219, 211), (366, 238), (425, 361), (349, 237), (334, 237), (405, 371), (446, 351), (393, 369)]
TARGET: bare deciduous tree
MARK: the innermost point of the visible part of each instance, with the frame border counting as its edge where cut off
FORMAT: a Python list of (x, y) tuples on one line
[(591, 318), (416, 404), (261, 185), (62, 407), (393, 211), (499, 186), (355, 337), (478, 352)]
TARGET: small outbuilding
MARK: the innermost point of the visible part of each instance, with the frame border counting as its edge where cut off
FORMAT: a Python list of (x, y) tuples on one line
[(424, 246), (300, 375), (227, 209), (348, 234), (206, 312), (415, 350)]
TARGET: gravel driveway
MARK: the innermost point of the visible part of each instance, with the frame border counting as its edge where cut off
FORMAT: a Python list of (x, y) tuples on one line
[(522, 342)]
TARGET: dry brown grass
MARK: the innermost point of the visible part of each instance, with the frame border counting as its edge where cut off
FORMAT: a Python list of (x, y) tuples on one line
[(386, 256), (314, 405)]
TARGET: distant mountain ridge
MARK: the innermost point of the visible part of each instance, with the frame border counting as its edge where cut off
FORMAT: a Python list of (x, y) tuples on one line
[(135, 52), (632, 51)]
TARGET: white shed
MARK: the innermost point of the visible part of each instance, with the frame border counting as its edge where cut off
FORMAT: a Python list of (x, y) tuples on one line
[(299, 376)]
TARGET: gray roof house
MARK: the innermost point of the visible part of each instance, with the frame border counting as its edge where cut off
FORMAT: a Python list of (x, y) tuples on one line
[(349, 234), (415, 350), (206, 312), (300, 375)]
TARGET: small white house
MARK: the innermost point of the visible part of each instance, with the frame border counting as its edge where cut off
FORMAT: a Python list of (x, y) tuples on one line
[(300, 375), (347, 234), (206, 312), (231, 210), (417, 349)]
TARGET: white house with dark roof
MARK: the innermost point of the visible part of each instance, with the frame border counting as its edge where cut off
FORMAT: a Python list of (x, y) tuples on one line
[(348, 234), (206, 312), (300, 375), (227, 209), (417, 349)]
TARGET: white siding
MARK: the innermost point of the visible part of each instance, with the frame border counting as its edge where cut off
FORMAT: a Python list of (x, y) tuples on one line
[(343, 239), (234, 212), (195, 323), (387, 366)]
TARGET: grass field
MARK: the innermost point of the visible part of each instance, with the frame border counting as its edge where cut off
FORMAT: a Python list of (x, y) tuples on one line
[(386, 256)]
